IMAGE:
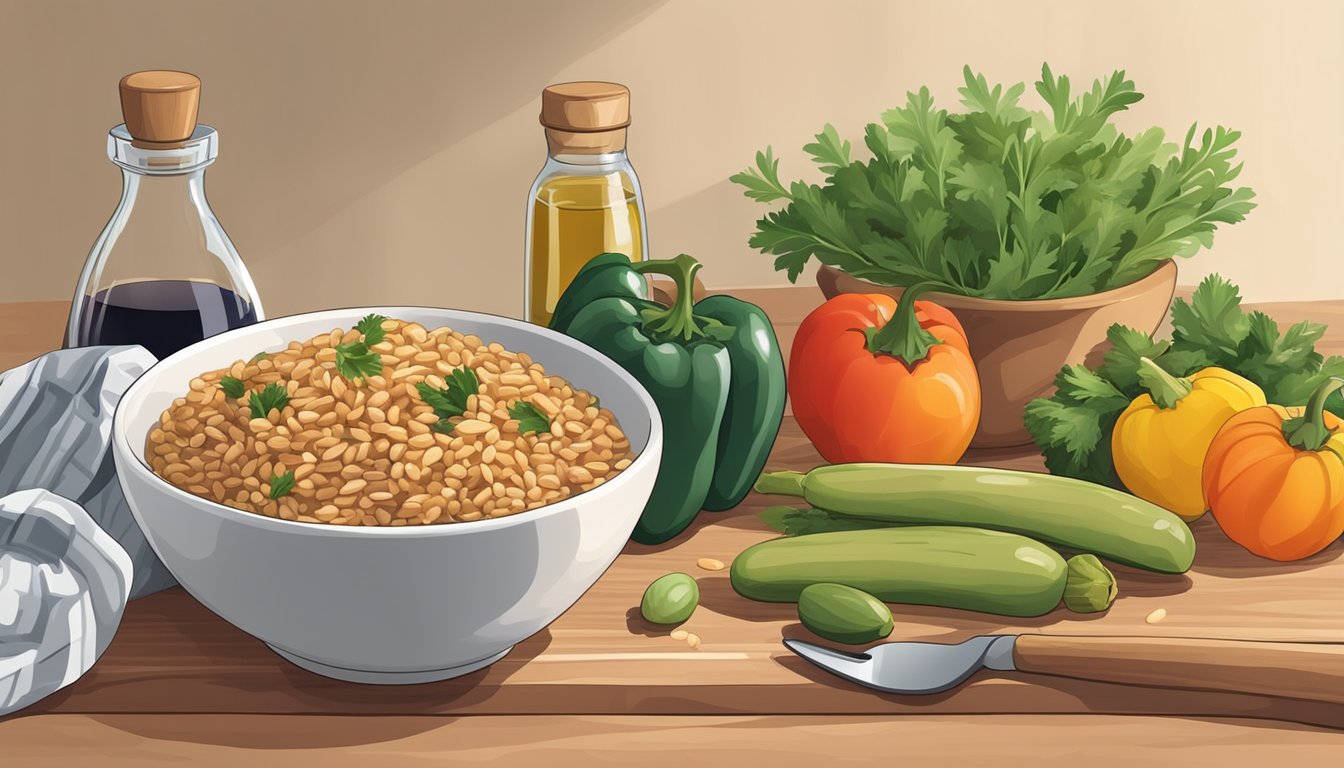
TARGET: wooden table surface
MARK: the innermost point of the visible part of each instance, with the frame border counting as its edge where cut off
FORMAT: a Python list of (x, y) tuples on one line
[(601, 686)]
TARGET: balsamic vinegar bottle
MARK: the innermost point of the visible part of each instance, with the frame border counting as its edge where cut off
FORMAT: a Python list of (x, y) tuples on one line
[(163, 274)]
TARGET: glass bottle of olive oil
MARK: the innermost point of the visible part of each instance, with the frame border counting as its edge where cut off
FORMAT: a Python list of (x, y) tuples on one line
[(586, 200)]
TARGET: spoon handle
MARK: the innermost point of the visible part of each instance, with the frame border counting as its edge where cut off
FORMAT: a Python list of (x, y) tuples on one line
[(1311, 671)]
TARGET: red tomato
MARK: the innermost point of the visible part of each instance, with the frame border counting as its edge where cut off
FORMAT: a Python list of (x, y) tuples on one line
[(857, 404)]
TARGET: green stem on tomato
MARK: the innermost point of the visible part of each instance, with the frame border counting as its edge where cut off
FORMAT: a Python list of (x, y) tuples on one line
[(902, 337), (1165, 389), (1308, 432)]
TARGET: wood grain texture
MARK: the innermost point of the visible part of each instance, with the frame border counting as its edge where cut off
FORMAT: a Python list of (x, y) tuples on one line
[(173, 656), (931, 741), (1312, 671)]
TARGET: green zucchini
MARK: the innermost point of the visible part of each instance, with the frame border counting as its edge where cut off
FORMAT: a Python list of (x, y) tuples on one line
[(843, 614), (946, 566), (1068, 513)]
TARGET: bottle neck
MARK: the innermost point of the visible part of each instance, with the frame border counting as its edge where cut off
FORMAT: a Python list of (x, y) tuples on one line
[(158, 194), (147, 159), (564, 145)]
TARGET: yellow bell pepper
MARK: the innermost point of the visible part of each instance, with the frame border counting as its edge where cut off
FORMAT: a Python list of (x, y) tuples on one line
[(1159, 441)]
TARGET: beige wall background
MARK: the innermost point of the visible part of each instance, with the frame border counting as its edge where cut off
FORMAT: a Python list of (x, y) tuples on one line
[(381, 152)]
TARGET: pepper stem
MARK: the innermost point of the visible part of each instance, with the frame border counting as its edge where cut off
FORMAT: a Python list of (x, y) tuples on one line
[(1166, 390), (677, 321), (1308, 431), (902, 337)]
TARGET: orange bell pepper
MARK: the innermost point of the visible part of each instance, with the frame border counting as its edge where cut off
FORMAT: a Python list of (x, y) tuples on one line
[(1275, 481), (874, 380)]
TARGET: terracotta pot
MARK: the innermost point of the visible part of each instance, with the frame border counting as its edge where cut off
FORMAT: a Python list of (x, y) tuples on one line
[(1019, 346)]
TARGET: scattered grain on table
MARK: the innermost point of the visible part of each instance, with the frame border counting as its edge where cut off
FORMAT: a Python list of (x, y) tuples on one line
[(1156, 616), (710, 564)]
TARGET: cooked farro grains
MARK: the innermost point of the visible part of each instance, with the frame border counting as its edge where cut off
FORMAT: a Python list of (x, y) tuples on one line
[(367, 453)]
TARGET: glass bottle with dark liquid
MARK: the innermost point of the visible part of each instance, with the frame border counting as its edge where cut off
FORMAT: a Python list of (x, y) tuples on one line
[(163, 273)]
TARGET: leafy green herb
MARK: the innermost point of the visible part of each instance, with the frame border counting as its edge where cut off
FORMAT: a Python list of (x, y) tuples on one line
[(597, 401), (259, 356), (1000, 201), (372, 328), (530, 418), (273, 396), (354, 360), (281, 485), (451, 401), (233, 388), (1073, 426)]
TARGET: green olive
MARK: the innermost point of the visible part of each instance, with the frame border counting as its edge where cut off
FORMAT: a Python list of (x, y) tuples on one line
[(670, 599), (843, 614)]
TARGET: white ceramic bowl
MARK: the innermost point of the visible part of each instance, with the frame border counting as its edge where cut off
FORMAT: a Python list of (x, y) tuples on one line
[(382, 604)]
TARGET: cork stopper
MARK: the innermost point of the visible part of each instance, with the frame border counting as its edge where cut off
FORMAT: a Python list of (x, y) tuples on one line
[(159, 106), (586, 117)]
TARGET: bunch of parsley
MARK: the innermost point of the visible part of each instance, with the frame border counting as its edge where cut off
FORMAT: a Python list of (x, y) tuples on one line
[(1073, 426), (1000, 201)]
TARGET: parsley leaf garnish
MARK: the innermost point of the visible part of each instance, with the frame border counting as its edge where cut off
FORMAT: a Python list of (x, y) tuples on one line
[(273, 396), (232, 387), (281, 485), (451, 401), (355, 361), (372, 328), (999, 200), (530, 418), (259, 356)]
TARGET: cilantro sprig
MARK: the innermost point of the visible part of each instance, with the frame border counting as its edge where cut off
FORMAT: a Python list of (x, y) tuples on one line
[(451, 401), (233, 388), (281, 485), (372, 328), (355, 359), (999, 200), (530, 418), (1073, 426), (272, 396)]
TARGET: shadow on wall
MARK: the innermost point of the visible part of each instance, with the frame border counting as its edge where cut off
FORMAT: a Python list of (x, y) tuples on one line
[(325, 102)]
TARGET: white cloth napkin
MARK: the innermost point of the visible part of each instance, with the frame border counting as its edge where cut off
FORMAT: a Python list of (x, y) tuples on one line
[(64, 584), (71, 553), (56, 434)]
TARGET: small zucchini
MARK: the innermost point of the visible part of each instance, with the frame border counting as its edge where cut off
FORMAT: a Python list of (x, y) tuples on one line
[(947, 566), (843, 614), (1068, 513)]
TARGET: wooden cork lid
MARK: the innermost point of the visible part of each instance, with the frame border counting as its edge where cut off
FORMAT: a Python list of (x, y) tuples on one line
[(587, 106), (159, 106), (586, 117)]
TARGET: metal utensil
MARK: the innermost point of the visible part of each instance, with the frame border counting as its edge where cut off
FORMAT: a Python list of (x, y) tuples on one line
[(1312, 671)]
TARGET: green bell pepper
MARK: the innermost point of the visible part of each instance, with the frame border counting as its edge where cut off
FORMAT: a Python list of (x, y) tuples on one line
[(714, 369), (606, 274), (756, 394)]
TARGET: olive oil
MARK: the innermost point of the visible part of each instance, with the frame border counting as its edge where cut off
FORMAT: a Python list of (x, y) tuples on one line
[(573, 219), (586, 200)]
